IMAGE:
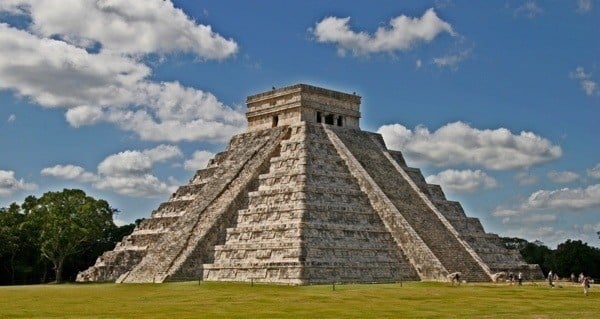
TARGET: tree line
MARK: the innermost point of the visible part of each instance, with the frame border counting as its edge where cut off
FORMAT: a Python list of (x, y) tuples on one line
[(569, 257), (52, 238)]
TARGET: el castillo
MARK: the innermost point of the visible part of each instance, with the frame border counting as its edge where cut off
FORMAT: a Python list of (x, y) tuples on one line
[(303, 197)]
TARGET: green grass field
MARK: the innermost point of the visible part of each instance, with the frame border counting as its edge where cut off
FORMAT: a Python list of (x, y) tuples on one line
[(236, 300)]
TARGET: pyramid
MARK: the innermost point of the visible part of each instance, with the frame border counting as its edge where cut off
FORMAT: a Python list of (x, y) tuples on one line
[(304, 196)]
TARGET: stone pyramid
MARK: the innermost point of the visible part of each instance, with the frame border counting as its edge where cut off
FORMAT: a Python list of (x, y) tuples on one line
[(306, 197)]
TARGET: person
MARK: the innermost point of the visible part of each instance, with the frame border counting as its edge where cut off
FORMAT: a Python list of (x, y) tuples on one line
[(550, 277), (457, 278), (572, 277), (511, 278), (520, 278), (586, 285)]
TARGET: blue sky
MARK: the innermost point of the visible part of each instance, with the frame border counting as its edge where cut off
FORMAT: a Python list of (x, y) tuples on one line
[(497, 101)]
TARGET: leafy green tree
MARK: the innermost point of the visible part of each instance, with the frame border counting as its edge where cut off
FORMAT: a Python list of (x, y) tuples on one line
[(538, 253), (10, 239), (574, 256), (67, 223)]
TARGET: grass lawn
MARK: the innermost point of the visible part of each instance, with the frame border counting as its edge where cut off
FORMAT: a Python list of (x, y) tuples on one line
[(236, 300)]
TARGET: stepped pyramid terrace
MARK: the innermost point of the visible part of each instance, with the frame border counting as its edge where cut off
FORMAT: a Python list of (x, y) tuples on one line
[(304, 196)]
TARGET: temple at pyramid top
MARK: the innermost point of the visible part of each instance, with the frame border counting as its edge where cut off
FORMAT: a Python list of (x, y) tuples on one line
[(302, 103)]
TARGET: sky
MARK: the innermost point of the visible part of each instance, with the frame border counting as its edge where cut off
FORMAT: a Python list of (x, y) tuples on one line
[(497, 101)]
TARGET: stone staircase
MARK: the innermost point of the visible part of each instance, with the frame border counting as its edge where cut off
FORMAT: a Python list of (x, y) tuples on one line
[(439, 236), (132, 248), (179, 253), (488, 246), (308, 223)]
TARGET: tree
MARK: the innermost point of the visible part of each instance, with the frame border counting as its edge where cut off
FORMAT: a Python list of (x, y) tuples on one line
[(10, 222), (66, 223), (538, 253), (574, 256)]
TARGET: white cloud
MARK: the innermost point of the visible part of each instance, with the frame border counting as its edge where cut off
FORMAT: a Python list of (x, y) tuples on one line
[(543, 205), (127, 27), (451, 60), (575, 199), (562, 177), (589, 86), (418, 64), (10, 185), (402, 34), (125, 163), (162, 153), (198, 161), (178, 113), (83, 115), (529, 9), (526, 178), (11, 118), (594, 172), (127, 173), (465, 181), (113, 84), (458, 143), (72, 172), (130, 172), (584, 6), (135, 185)]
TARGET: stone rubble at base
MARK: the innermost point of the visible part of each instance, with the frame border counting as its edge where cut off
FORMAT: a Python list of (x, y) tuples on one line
[(306, 197)]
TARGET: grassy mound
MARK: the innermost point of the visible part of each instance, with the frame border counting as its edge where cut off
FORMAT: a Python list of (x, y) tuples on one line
[(236, 300)]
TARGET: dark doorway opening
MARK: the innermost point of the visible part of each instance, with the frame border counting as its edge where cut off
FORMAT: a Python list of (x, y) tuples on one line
[(275, 121), (329, 119)]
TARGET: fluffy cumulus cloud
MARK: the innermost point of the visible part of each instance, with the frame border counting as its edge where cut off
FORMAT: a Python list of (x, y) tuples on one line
[(562, 177), (459, 143), (594, 172), (569, 199), (127, 173), (92, 66), (402, 34), (588, 85), (462, 181), (71, 172), (129, 27), (9, 184), (198, 161)]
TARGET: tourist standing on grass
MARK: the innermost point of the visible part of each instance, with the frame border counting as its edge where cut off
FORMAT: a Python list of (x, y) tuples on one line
[(520, 278), (550, 276), (586, 285)]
